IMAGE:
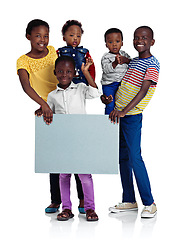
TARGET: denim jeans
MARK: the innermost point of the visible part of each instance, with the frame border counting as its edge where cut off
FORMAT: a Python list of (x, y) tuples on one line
[(131, 160)]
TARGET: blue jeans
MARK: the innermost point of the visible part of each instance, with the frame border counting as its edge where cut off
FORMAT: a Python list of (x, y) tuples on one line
[(131, 160), (110, 89)]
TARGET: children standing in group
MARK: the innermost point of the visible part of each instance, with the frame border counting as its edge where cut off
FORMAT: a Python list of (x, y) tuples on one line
[(75, 95), (114, 66), (72, 32), (36, 74), (135, 92)]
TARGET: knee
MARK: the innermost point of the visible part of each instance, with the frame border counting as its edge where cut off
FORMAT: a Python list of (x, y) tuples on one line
[(85, 178), (64, 177)]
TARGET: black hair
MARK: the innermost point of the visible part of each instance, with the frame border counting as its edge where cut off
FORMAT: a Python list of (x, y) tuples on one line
[(71, 23), (113, 30), (150, 29), (65, 59), (35, 23)]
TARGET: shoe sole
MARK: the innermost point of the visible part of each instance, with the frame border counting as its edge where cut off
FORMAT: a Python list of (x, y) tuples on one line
[(122, 210), (148, 215)]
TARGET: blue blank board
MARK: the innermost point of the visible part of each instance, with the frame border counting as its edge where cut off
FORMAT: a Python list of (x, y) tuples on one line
[(77, 144)]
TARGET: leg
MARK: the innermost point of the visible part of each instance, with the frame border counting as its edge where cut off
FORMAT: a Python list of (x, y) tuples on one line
[(79, 187), (64, 180), (87, 184), (88, 189), (55, 194), (110, 89), (54, 188), (80, 194), (131, 128), (126, 172)]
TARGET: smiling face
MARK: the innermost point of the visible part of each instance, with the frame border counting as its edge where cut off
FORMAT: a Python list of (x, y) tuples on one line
[(143, 41), (39, 39), (73, 36), (114, 42), (64, 72)]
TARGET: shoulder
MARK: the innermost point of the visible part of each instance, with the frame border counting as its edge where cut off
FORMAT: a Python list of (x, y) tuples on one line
[(123, 53), (155, 62), (22, 63), (108, 56), (52, 51)]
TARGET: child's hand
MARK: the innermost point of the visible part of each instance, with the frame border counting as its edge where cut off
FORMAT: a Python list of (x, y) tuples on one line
[(122, 59), (38, 112), (115, 115), (85, 67), (106, 99)]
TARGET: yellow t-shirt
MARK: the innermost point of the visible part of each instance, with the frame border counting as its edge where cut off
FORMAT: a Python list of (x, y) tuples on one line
[(41, 72)]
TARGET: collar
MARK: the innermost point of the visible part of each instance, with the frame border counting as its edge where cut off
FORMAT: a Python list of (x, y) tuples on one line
[(71, 86)]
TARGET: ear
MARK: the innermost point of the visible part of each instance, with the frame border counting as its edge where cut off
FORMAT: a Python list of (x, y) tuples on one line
[(28, 36), (54, 72), (122, 44), (64, 39), (152, 42)]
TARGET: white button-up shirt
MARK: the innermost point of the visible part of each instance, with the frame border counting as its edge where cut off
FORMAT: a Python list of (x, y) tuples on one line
[(71, 100)]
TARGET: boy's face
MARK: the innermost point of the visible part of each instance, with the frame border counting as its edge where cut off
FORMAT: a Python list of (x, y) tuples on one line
[(143, 41), (114, 42), (73, 36), (64, 72), (39, 38)]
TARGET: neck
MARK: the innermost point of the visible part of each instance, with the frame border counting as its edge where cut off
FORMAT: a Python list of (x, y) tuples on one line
[(145, 54)]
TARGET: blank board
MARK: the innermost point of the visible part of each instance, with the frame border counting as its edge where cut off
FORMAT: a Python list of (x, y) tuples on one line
[(76, 144)]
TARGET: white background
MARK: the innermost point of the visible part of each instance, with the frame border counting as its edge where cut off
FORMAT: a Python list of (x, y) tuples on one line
[(24, 194)]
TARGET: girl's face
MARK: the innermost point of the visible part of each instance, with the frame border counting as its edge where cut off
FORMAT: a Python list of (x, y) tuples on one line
[(73, 36), (39, 38), (114, 42), (64, 72)]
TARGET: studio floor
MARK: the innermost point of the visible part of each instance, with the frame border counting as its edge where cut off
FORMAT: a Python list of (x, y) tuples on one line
[(25, 217)]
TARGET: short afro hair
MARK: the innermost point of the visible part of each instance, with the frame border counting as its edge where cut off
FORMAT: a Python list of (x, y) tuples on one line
[(71, 23), (65, 59), (113, 30)]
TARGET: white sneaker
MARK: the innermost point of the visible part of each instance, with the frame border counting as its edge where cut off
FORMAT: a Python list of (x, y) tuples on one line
[(149, 211), (122, 207)]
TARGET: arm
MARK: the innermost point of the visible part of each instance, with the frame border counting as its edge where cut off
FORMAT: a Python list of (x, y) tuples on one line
[(24, 79), (119, 59), (115, 114), (92, 70), (85, 68)]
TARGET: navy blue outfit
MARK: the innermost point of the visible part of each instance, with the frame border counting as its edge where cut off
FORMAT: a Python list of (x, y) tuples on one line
[(78, 54)]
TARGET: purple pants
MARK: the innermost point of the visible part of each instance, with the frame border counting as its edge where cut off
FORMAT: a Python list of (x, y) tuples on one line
[(88, 190)]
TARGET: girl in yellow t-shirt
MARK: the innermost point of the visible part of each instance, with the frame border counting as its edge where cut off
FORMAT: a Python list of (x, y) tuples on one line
[(36, 74)]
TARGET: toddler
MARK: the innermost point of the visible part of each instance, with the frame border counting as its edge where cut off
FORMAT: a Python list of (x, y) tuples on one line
[(114, 66), (72, 32)]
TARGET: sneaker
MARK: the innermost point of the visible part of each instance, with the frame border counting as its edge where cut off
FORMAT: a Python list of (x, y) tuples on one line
[(122, 207), (149, 211)]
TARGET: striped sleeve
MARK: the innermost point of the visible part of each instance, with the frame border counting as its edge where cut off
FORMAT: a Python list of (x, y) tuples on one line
[(152, 72)]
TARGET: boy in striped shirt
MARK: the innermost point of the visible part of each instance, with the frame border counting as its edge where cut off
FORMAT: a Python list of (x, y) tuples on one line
[(135, 92)]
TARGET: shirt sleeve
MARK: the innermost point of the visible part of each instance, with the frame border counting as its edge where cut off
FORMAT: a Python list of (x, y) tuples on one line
[(152, 73), (22, 64), (91, 92)]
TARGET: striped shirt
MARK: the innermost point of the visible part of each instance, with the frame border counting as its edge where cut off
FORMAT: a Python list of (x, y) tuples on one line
[(140, 69)]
